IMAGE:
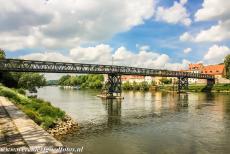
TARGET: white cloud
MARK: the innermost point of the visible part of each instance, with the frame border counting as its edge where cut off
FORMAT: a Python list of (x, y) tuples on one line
[(216, 33), (216, 54), (183, 2), (102, 54), (187, 50), (178, 66), (213, 9), (144, 47), (68, 23), (47, 56), (122, 56), (218, 10), (175, 14), (186, 37)]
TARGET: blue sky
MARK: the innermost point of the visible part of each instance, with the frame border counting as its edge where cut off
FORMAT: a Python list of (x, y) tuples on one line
[(145, 33)]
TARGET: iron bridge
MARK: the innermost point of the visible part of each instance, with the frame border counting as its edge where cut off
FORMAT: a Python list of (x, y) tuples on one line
[(114, 71)]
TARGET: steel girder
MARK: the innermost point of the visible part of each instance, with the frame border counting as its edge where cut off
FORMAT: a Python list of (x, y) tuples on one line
[(113, 84), (182, 83), (17, 65)]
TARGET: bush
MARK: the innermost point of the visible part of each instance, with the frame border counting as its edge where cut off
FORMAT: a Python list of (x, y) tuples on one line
[(35, 106), (21, 91), (33, 115), (48, 122)]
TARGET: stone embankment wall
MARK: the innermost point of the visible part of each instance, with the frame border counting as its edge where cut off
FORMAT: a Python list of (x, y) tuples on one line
[(63, 127)]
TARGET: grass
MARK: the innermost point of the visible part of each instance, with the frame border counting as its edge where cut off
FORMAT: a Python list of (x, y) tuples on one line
[(42, 112)]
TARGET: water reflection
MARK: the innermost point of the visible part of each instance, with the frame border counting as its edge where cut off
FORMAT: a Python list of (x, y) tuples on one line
[(113, 108), (182, 100)]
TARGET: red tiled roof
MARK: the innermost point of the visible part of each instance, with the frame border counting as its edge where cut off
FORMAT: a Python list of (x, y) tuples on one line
[(213, 69), (196, 66)]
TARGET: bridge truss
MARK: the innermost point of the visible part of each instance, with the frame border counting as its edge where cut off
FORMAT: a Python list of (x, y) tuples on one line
[(114, 72)]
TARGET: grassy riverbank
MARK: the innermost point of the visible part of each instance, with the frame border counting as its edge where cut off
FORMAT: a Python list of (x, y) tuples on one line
[(42, 112)]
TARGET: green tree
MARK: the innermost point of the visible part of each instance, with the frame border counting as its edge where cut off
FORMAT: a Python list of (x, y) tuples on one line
[(144, 86), (2, 54), (63, 79), (84, 81), (127, 86), (136, 86), (227, 66), (166, 81), (31, 81)]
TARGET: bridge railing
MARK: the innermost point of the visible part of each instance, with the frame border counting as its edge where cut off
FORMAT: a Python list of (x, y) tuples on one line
[(18, 65)]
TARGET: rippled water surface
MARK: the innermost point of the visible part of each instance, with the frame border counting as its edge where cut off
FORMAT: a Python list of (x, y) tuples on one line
[(146, 123)]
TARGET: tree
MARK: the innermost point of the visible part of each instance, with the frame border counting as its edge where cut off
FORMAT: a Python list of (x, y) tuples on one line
[(166, 81), (63, 79), (144, 86), (127, 86), (31, 81), (227, 66), (2, 54)]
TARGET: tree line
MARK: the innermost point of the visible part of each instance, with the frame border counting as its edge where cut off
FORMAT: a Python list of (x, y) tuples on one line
[(27, 81), (83, 81)]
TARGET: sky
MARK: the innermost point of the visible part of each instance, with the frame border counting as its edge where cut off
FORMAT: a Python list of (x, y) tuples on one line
[(167, 34)]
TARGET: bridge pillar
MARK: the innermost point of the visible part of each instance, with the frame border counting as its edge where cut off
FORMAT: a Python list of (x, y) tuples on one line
[(210, 82), (182, 83), (113, 84)]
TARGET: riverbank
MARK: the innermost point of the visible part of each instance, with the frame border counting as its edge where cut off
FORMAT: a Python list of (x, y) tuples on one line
[(41, 112)]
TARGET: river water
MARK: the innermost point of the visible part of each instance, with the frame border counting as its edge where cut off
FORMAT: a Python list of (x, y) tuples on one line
[(146, 123)]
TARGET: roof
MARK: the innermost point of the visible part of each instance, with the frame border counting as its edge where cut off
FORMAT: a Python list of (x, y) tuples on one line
[(213, 69), (195, 66)]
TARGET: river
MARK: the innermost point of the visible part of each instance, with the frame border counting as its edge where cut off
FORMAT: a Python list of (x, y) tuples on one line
[(145, 122)]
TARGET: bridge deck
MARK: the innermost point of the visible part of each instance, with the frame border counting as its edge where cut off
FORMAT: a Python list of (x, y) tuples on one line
[(18, 65)]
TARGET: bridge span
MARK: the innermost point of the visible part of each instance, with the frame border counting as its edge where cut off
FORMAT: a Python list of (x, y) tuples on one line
[(114, 71)]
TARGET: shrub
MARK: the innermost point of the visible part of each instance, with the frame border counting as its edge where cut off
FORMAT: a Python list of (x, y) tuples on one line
[(21, 91), (35, 106), (48, 122), (33, 115)]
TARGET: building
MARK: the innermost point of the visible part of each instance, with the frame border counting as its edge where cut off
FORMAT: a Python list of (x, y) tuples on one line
[(196, 67), (139, 79), (216, 70), (136, 78), (132, 78)]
